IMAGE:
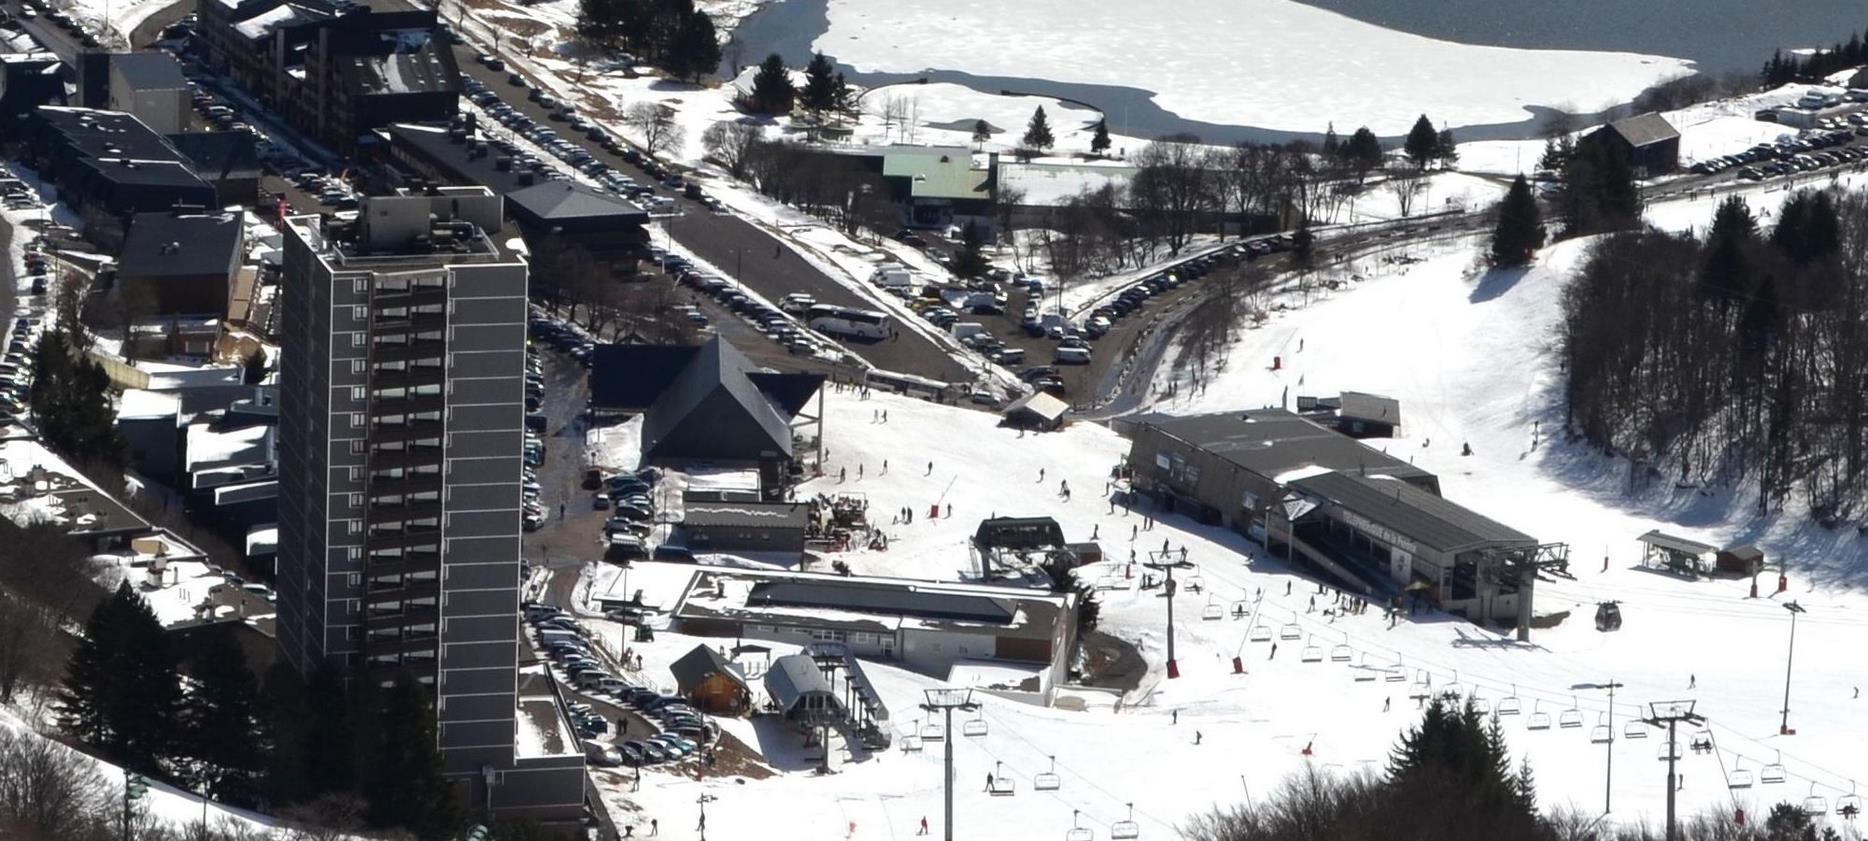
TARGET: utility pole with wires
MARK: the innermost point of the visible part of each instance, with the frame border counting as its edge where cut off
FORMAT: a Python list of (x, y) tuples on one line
[(1608, 773), (1163, 561), (1783, 728), (1669, 714), (945, 701)]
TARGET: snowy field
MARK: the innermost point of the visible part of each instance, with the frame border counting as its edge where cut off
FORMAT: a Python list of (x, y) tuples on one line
[(959, 106), (1267, 74)]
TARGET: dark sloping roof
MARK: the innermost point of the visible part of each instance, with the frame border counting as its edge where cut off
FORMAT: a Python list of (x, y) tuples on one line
[(219, 155), (1644, 130), (1357, 405), (698, 666), (1677, 544), (771, 515), (898, 600), (630, 377), (428, 69), (792, 678), (1019, 532), (149, 71), (1431, 520), (1272, 441), (564, 200), (792, 392), (713, 410), (178, 245)]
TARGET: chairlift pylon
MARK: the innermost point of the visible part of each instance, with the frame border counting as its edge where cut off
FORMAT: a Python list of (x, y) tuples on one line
[(1047, 781)]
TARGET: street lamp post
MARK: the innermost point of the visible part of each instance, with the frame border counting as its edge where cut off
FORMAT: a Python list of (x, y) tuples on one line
[(1783, 727), (705, 799), (1608, 768)]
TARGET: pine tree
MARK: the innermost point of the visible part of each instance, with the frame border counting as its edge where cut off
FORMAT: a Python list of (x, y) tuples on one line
[(1038, 132), (1421, 142), (843, 95), (1332, 145), (1099, 141), (1808, 230), (1725, 274), (1556, 155), (971, 261), (772, 91), (121, 694), (599, 22), (1520, 229), (981, 133), (224, 727), (1446, 149), (694, 51), (1363, 152), (70, 399), (820, 85), (407, 786)]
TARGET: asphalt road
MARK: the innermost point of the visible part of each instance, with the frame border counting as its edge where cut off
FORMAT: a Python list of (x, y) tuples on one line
[(736, 246), (570, 535)]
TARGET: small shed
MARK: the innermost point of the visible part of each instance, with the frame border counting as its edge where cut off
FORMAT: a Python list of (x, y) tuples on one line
[(710, 683), (1649, 143), (1361, 415), (1741, 560), (1038, 410), (798, 688), (1676, 554), (1018, 533)]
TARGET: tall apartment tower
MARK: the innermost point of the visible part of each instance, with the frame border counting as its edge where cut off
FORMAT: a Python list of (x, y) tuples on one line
[(401, 421)]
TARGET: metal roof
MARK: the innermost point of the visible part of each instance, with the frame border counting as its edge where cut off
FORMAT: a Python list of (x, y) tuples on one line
[(1356, 405), (561, 200), (1677, 544), (712, 410), (1040, 403), (174, 245), (149, 71), (696, 667), (1644, 130), (1272, 441), (866, 597), (795, 677), (1428, 519), (765, 515)]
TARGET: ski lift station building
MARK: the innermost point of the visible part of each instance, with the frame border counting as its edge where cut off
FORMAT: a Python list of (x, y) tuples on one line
[(1373, 523), (946, 630)]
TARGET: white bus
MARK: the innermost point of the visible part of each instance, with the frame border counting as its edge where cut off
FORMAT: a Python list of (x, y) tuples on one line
[(845, 321)]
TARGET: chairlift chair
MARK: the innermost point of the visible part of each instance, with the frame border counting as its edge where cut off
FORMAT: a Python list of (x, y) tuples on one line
[(974, 727), (1047, 781), (1362, 672), (1259, 633), (1196, 583), (1395, 674), (1849, 805), (1127, 827), (1480, 705), (1290, 631), (1340, 654), (1509, 704), (1002, 785), (1538, 720), (933, 731), (1571, 717), (1668, 750), (1311, 653), (1240, 608), (1815, 804), (1078, 832), (911, 744), (1636, 729), (1213, 610), (1773, 773), (1739, 778), (1601, 733)]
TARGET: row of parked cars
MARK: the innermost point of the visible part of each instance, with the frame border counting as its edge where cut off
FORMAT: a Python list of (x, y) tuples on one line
[(82, 30), (1809, 151), (533, 510), (577, 157), (566, 644), (630, 499), (772, 323)]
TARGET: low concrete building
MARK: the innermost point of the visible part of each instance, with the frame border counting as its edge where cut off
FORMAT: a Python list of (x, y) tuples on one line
[(181, 262), (927, 626), (150, 85)]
